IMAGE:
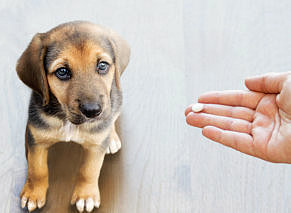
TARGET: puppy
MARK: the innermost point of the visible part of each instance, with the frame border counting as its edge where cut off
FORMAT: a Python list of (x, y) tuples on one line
[(74, 72)]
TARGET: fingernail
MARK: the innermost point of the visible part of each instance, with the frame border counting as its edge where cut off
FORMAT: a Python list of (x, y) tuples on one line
[(190, 114)]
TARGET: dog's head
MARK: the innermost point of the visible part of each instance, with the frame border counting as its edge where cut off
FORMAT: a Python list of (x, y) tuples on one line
[(77, 62)]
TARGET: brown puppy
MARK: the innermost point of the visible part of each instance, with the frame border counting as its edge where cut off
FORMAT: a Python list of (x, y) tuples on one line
[(74, 71)]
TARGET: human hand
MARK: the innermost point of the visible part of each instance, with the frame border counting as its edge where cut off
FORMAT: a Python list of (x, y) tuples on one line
[(255, 122)]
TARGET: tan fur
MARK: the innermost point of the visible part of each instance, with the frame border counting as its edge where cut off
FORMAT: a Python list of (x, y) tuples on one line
[(87, 181), (36, 184)]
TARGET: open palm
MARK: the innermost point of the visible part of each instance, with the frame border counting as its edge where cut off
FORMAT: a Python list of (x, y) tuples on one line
[(256, 122)]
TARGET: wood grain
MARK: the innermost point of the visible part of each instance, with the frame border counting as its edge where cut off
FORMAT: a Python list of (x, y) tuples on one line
[(180, 49)]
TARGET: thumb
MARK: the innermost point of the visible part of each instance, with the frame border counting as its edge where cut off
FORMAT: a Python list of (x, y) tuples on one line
[(267, 83)]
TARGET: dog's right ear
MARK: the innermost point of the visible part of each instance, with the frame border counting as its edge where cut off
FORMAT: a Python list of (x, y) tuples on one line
[(30, 67)]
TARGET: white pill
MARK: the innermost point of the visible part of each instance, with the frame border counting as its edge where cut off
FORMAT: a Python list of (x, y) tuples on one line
[(197, 107)]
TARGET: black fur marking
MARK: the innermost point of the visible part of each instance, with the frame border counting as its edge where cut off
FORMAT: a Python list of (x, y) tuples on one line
[(53, 108), (34, 110), (29, 137), (77, 37), (52, 53)]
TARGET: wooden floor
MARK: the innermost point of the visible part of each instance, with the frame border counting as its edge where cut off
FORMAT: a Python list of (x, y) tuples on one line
[(180, 49)]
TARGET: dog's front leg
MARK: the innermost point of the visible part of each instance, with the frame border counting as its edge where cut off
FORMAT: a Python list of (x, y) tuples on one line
[(34, 191), (86, 194)]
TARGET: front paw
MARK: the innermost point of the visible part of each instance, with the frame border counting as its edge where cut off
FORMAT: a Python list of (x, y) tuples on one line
[(86, 196), (114, 145), (33, 194)]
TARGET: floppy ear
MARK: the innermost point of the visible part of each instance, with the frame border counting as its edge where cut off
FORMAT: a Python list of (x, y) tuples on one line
[(122, 53), (30, 67)]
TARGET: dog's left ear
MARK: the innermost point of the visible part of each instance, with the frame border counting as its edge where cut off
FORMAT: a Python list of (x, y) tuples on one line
[(122, 53), (30, 67)]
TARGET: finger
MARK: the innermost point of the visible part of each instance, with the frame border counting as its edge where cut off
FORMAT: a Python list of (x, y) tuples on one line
[(227, 111), (238, 141), (283, 99), (267, 83), (188, 109), (198, 107), (202, 119), (232, 98)]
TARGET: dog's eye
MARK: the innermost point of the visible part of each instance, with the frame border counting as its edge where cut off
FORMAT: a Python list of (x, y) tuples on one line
[(102, 67), (63, 73)]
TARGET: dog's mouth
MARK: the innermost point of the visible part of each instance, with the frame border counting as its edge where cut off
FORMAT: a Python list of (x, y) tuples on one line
[(78, 119)]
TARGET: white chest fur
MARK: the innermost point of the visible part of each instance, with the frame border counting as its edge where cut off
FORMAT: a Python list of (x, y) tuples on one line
[(66, 131), (71, 132)]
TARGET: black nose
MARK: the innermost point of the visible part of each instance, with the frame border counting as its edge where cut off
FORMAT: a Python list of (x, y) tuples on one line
[(90, 110)]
